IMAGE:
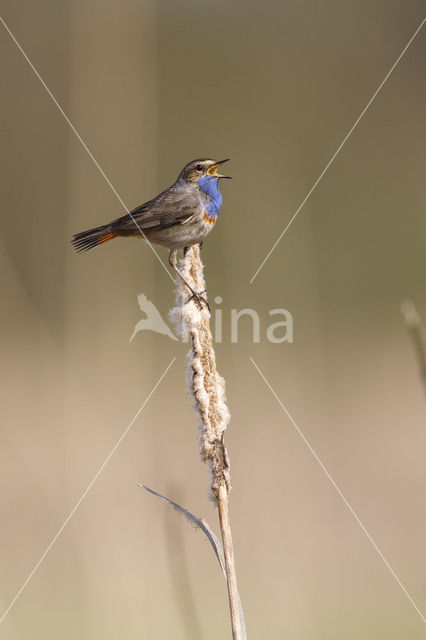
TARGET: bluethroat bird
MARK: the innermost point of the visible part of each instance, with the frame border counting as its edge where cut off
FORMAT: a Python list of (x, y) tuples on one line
[(177, 218)]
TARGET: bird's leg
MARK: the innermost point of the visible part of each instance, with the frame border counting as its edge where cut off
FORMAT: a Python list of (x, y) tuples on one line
[(185, 251), (199, 298), (201, 244)]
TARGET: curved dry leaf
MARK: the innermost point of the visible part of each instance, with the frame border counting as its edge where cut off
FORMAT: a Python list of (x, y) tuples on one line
[(199, 523)]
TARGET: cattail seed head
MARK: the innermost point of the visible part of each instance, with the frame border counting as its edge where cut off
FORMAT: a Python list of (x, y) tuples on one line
[(205, 385)]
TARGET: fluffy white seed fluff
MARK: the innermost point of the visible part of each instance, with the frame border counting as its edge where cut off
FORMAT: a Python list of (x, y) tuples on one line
[(205, 385)]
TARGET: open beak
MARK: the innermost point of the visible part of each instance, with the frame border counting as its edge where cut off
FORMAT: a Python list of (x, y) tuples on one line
[(213, 170)]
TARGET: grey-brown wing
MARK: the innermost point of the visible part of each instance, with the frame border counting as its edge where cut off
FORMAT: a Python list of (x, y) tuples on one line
[(169, 208)]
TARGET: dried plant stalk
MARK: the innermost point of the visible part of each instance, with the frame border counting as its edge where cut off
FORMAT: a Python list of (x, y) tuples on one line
[(207, 388)]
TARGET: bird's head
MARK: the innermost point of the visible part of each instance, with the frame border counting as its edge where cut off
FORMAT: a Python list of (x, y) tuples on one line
[(202, 171)]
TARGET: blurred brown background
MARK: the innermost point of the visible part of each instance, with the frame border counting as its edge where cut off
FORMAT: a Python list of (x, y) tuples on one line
[(275, 86)]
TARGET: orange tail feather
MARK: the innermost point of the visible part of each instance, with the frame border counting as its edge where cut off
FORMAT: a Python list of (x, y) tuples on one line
[(92, 238)]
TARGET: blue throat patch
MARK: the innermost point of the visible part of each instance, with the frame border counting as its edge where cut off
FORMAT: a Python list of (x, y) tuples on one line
[(210, 185)]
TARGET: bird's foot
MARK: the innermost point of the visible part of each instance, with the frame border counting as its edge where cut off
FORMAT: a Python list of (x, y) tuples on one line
[(199, 298)]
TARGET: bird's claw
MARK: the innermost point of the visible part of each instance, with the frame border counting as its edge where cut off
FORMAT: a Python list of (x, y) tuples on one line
[(199, 298)]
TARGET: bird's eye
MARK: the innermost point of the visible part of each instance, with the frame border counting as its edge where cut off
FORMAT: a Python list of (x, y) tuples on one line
[(198, 167)]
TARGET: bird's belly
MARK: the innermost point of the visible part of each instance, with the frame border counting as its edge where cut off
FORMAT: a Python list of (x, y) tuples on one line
[(183, 235)]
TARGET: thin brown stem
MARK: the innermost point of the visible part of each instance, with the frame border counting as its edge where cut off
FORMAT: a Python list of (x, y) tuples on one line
[(237, 619)]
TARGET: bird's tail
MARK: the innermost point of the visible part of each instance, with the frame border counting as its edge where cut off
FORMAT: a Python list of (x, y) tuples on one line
[(93, 237)]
